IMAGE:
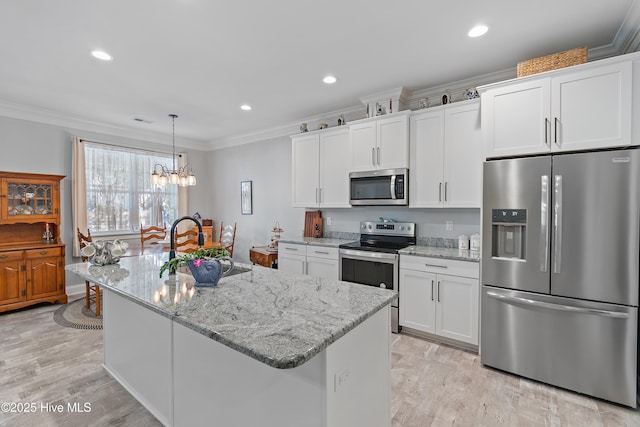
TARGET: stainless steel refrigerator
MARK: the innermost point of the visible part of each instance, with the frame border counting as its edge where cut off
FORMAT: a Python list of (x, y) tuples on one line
[(560, 270)]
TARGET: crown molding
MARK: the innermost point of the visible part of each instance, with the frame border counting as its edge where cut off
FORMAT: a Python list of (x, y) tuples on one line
[(79, 124)]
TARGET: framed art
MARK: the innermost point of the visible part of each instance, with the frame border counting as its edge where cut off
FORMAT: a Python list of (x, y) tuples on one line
[(246, 203)]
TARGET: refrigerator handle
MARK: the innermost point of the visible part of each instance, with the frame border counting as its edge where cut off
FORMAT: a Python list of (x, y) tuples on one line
[(559, 307), (544, 223), (557, 224)]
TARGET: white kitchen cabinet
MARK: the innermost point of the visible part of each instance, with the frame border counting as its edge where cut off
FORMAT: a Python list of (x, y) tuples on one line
[(292, 257), (585, 107), (320, 169), (440, 297), (313, 260), (446, 157), (380, 142)]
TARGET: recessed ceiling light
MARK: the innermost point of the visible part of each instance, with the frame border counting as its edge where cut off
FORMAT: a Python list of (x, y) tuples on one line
[(478, 31), (100, 54), (245, 107), (329, 80)]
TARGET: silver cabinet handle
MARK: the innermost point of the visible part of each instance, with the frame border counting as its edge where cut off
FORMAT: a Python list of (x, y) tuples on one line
[(437, 265), (546, 130), (373, 156), (559, 307), (557, 224), (438, 291), (544, 223), (291, 249), (321, 252), (555, 130), (378, 151), (445, 191), (432, 283), (440, 192)]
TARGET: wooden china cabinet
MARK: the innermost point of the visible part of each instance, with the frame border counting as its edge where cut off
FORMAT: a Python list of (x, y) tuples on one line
[(32, 256)]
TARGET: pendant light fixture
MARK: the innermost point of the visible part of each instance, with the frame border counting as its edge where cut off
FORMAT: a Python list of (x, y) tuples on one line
[(183, 176)]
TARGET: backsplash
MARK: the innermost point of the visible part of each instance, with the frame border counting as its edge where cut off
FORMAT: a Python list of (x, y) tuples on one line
[(439, 242)]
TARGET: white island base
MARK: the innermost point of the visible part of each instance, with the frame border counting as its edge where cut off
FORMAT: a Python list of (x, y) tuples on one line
[(185, 378)]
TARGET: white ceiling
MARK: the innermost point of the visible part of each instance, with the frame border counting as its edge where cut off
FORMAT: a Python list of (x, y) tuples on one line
[(202, 59)]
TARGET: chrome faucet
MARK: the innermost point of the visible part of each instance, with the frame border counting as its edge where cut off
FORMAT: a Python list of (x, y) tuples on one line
[(172, 237)]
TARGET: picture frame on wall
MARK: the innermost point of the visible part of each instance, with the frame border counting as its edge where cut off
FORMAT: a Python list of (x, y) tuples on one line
[(246, 201)]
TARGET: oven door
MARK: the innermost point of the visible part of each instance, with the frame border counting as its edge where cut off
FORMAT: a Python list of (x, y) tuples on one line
[(372, 269)]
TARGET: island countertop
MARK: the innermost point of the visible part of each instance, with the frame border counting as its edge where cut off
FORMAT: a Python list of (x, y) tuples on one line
[(278, 318)]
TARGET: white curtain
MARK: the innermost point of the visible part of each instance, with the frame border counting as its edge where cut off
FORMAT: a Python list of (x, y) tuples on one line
[(79, 192)]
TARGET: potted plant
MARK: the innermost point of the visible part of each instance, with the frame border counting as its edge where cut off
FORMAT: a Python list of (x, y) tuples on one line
[(204, 265)]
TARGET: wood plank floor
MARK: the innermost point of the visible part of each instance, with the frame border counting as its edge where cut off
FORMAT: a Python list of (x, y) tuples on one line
[(433, 385)]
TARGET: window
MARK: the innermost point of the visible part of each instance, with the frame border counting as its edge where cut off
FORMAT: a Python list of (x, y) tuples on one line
[(120, 195)]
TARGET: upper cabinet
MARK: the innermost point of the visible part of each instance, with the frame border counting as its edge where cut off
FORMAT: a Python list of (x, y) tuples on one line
[(321, 162), (446, 157), (585, 107), (27, 198), (381, 142)]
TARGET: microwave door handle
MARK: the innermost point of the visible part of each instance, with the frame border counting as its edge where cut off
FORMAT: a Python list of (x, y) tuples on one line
[(557, 225), (544, 223), (393, 186)]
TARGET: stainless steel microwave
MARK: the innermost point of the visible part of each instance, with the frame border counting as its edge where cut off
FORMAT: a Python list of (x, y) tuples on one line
[(379, 187)]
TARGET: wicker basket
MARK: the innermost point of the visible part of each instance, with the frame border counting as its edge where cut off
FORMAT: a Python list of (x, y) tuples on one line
[(553, 62)]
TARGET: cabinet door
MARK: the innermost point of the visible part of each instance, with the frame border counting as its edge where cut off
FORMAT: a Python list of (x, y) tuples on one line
[(515, 119), (457, 308), (44, 277), (462, 156), (592, 108), (291, 263), (11, 278), (426, 165), (305, 171), (392, 142), (417, 300), (321, 267), (335, 165), (31, 199), (363, 141)]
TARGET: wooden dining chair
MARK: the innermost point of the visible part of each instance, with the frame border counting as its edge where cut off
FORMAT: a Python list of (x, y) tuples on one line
[(187, 241), (152, 235), (92, 290), (228, 237)]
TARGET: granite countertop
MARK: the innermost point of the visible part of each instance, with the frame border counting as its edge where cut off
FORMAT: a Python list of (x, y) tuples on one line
[(278, 318), (439, 252), (320, 241)]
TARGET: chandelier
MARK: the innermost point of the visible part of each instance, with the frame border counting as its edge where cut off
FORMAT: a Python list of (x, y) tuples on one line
[(183, 176)]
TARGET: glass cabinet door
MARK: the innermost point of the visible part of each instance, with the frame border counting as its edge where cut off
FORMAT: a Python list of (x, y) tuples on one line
[(30, 198)]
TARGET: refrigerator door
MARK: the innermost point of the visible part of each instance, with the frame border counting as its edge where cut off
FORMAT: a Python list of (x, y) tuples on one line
[(583, 346), (595, 231), (515, 252)]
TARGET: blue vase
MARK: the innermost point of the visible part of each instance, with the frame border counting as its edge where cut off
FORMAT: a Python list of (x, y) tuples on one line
[(207, 272)]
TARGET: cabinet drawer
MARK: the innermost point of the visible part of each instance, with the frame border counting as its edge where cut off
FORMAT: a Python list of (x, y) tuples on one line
[(322, 252), (44, 253), (10, 256), (292, 248), (440, 266)]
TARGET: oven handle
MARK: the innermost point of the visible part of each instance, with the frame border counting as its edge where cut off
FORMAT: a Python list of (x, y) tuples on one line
[(369, 256)]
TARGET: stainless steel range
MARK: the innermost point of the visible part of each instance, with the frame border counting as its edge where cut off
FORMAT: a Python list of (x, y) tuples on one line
[(373, 260)]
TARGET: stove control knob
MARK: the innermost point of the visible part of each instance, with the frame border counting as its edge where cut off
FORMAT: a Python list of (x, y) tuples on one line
[(369, 226), (401, 227), (364, 226), (383, 286)]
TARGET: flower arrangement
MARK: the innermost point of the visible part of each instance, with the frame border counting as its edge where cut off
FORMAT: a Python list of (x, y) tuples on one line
[(198, 257)]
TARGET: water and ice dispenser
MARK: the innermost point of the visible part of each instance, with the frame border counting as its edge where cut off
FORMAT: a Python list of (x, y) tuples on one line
[(508, 233)]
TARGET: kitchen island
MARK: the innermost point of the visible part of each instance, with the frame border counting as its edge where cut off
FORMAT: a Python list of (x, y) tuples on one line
[(262, 348)]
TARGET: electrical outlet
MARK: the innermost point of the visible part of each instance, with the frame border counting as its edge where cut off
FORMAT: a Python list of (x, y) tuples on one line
[(449, 225), (328, 220), (341, 378)]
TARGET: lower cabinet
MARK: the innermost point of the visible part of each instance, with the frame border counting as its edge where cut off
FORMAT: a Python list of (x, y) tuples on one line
[(440, 297), (31, 276), (314, 260)]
